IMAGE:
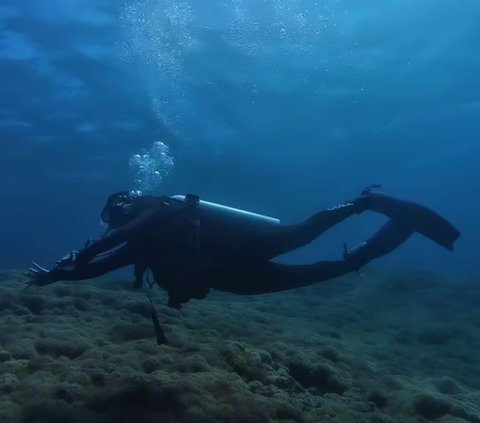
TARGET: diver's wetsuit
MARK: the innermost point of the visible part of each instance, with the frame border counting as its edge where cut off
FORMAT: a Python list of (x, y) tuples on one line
[(189, 253)]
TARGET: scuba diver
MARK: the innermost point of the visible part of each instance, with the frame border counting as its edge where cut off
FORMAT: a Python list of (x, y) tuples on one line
[(191, 245)]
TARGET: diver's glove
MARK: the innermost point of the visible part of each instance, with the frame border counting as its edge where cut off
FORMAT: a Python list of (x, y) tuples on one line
[(70, 259), (39, 276), (74, 258)]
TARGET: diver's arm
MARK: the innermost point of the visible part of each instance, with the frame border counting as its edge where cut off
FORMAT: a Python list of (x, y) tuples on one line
[(118, 236), (119, 258)]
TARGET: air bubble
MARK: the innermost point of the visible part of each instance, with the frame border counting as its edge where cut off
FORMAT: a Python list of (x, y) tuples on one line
[(151, 168)]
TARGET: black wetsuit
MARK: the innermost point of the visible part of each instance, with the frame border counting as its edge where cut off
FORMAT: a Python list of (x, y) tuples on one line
[(189, 253)]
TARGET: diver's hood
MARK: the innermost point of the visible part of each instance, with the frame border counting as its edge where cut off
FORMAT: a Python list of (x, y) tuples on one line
[(117, 210)]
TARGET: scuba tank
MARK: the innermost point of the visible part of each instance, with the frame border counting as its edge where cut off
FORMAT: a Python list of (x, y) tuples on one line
[(225, 214)]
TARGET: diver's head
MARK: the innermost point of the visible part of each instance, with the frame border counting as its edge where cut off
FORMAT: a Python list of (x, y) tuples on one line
[(119, 209)]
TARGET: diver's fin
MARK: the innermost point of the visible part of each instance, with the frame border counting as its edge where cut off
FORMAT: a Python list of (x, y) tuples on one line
[(420, 218), (388, 238)]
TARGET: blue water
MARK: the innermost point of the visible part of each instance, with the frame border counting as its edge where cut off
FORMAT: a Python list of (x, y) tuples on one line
[(283, 107)]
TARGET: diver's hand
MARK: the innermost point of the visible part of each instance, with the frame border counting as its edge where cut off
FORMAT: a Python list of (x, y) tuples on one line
[(39, 276), (70, 259)]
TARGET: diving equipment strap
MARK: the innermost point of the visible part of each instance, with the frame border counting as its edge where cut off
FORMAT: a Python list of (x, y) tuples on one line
[(161, 338)]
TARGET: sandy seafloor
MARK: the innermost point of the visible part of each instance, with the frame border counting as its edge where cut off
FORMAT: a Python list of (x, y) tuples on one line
[(383, 347)]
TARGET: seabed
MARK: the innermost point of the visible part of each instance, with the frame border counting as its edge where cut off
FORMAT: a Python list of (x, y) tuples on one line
[(389, 346)]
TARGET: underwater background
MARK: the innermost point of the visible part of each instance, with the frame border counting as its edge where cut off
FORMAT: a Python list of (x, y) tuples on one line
[(282, 107)]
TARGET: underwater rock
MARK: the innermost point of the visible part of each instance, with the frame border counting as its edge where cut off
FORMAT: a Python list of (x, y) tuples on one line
[(8, 302), (98, 377), (68, 392), (80, 304), (64, 290), (57, 348), (434, 336), (447, 385), (139, 307), (193, 364), (124, 332), (4, 355), (379, 398), (249, 363), (6, 276), (109, 299), (140, 401), (38, 363), (151, 364), (322, 377), (8, 383), (430, 406), (78, 376), (287, 413), (463, 413), (331, 354), (22, 349), (34, 303), (55, 411)]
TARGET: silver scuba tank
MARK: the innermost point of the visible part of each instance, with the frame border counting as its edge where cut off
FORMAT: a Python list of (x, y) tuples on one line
[(227, 214)]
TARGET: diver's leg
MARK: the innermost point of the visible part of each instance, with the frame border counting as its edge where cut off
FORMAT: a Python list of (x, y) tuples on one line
[(278, 240), (388, 238), (104, 263), (260, 278), (267, 277)]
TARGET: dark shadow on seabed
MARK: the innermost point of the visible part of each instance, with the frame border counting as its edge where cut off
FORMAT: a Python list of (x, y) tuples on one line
[(386, 347)]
